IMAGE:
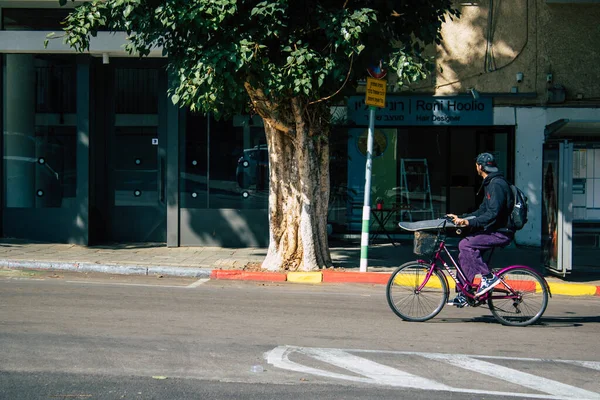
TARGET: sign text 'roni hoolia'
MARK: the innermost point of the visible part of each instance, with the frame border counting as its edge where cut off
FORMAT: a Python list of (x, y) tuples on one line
[(424, 110)]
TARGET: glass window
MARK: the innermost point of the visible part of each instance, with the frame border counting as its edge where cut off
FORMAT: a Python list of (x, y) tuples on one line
[(339, 193), (135, 166), (422, 183), (224, 165), (55, 88), (420, 173), (33, 19), (193, 166), (136, 91), (39, 131)]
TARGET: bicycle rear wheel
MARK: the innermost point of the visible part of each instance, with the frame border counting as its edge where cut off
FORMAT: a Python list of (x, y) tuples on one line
[(411, 304), (531, 300)]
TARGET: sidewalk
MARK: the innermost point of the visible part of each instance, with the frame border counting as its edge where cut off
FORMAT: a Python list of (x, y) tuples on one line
[(225, 263)]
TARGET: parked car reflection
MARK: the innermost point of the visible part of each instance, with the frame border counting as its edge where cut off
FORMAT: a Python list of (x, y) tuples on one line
[(253, 168)]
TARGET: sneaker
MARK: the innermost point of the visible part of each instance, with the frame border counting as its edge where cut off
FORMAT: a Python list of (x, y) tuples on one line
[(459, 301), (487, 284)]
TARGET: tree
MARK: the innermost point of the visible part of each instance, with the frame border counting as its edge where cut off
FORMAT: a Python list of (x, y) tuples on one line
[(290, 59)]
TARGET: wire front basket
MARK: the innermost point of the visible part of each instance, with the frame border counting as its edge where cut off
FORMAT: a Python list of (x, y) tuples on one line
[(425, 243)]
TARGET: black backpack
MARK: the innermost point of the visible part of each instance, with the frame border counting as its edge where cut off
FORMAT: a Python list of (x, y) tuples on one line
[(518, 214)]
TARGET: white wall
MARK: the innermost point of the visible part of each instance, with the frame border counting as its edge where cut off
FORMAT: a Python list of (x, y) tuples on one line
[(530, 123)]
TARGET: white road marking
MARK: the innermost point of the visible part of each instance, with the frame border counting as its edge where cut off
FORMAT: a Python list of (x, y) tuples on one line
[(375, 373), (530, 381), (198, 283), (586, 364), (378, 373), (278, 357)]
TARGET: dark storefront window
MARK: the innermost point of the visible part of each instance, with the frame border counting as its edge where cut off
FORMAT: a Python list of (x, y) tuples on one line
[(36, 19), (136, 91), (33, 19), (340, 194), (224, 164), (39, 131), (420, 173)]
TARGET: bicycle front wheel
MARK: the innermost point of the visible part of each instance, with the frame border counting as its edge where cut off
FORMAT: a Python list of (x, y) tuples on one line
[(523, 299), (411, 303)]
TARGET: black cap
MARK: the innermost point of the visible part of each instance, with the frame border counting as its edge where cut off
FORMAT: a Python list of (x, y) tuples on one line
[(487, 162)]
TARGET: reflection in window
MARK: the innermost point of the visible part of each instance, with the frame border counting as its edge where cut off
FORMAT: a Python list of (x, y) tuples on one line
[(439, 175), (39, 131), (193, 167), (236, 173), (136, 166), (340, 194)]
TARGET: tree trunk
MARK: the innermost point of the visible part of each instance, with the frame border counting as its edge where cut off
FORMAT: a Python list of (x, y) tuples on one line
[(297, 139)]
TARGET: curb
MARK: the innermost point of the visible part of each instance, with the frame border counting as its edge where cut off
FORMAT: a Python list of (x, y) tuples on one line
[(373, 278), (574, 289), (108, 268)]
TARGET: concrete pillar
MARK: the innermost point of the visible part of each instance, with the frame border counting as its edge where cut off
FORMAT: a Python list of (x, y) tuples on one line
[(172, 133), (19, 130)]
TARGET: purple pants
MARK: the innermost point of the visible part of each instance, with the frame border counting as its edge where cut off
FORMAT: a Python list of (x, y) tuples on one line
[(470, 251)]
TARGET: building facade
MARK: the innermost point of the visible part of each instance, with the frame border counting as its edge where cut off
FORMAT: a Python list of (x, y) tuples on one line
[(95, 152)]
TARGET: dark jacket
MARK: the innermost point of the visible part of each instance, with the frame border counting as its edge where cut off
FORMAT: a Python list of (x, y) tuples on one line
[(494, 212)]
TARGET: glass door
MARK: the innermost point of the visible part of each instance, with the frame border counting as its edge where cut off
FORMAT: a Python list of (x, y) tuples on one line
[(137, 187), (557, 198), (550, 207), (131, 154)]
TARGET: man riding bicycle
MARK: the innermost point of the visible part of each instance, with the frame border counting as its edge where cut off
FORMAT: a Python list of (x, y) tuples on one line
[(490, 226)]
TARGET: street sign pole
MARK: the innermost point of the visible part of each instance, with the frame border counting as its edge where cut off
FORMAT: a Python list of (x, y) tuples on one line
[(374, 97), (364, 238)]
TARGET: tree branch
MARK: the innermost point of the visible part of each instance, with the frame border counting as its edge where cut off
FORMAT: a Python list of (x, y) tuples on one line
[(341, 87), (266, 109)]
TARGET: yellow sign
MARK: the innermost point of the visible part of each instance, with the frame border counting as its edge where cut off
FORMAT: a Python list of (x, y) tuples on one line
[(375, 95)]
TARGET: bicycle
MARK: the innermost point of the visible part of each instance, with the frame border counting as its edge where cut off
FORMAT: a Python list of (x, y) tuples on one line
[(418, 290)]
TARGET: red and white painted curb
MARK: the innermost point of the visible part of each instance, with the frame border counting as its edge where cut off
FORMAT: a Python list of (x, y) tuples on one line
[(317, 277), (375, 278)]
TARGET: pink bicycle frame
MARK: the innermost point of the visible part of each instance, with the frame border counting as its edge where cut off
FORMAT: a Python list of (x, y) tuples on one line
[(464, 288)]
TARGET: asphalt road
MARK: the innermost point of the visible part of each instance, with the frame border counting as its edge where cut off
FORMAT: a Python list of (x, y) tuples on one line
[(94, 336)]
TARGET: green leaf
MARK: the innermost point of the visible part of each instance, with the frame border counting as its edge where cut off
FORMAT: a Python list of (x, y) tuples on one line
[(282, 47), (128, 10)]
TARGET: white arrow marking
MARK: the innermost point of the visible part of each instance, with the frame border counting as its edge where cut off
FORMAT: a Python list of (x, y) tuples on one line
[(279, 357)]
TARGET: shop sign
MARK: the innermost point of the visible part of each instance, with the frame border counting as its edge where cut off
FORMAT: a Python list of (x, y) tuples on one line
[(424, 111)]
